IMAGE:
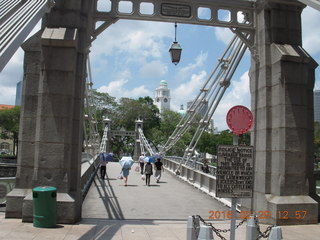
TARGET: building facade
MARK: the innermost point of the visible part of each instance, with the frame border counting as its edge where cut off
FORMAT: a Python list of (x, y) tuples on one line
[(316, 104), (162, 98), (203, 109), (18, 93)]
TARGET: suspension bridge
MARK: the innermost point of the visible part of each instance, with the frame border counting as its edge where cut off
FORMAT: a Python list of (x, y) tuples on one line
[(277, 141)]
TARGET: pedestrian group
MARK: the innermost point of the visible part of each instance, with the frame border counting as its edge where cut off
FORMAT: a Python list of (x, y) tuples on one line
[(145, 168)]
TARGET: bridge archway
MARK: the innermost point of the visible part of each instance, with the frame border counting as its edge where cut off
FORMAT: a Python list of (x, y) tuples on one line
[(281, 79)]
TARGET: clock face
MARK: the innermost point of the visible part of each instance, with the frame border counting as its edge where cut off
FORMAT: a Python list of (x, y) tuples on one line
[(165, 100)]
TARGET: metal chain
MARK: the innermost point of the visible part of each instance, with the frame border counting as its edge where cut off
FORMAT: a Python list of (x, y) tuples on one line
[(218, 231), (264, 234)]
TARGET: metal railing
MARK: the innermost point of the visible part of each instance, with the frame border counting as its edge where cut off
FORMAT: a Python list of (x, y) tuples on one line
[(196, 165), (89, 168)]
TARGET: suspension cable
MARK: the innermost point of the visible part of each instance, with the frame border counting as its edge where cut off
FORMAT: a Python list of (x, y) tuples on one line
[(211, 93), (92, 139), (145, 142)]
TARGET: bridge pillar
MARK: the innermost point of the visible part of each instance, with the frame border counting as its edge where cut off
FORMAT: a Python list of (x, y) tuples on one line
[(50, 140), (29, 105), (281, 82)]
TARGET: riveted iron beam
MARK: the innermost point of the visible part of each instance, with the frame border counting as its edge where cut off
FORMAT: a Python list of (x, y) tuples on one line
[(181, 11)]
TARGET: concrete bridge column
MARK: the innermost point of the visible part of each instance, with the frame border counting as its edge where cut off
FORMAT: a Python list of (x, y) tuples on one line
[(282, 82), (26, 153), (55, 122)]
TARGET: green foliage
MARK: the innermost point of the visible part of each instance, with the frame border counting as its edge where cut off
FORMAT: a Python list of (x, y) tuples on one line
[(209, 142), (123, 115), (168, 123), (130, 110), (9, 125), (106, 106)]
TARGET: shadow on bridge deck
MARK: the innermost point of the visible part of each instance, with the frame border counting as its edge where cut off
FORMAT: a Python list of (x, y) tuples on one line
[(171, 199), (114, 212)]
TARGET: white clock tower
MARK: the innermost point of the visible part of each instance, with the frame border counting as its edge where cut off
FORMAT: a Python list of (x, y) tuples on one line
[(162, 99)]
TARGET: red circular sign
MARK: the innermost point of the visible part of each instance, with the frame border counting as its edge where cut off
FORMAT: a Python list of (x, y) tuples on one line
[(239, 119)]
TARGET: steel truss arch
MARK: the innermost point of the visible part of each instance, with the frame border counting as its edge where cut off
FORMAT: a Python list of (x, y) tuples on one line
[(181, 11)]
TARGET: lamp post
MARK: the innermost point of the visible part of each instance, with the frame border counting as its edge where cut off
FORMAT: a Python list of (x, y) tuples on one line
[(175, 49)]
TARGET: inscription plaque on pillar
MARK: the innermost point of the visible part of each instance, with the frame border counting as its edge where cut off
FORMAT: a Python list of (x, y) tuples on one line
[(234, 171)]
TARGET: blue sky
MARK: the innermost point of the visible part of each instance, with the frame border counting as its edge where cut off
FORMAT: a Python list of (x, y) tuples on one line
[(130, 58)]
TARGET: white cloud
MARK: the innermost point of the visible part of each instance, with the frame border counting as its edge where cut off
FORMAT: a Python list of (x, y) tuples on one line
[(186, 92), (118, 89), (9, 78), (311, 30), (13, 73), (138, 39), (238, 94), (153, 69), (7, 95), (199, 62), (223, 34)]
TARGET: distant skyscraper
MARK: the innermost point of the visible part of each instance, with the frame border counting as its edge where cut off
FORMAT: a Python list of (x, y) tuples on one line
[(18, 93), (316, 105), (162, 99), (202, 111)]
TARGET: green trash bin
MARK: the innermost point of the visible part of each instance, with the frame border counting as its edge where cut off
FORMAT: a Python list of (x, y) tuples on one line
[(44, 207)]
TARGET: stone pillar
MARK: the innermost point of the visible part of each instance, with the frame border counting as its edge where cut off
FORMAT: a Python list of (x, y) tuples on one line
[(55, 113), (281, 83), (29, 104), (137, 148)]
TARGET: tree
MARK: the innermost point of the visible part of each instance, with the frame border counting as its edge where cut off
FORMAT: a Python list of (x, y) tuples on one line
[(9, 125), (209, 142), (130, 110), (168, 122), (123, 115), (105, 106)]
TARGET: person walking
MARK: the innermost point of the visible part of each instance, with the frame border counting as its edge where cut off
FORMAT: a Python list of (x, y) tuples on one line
[(141, 162), (148, 172), (103, 165), (158, 166), (125, 174)]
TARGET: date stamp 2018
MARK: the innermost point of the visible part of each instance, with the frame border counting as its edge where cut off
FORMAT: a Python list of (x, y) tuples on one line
[(220, 215), (242, 215)]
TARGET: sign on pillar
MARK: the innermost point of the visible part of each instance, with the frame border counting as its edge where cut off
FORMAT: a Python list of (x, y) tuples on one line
[(234, 171), (235, 163)]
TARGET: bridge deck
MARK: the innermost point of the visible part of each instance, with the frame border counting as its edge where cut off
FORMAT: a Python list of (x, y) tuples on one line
[(171, 199), (158, 212)]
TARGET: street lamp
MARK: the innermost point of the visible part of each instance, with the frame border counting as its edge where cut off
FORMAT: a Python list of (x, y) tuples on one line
[(175, 49)]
